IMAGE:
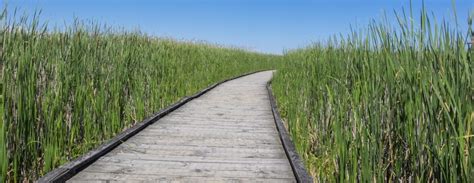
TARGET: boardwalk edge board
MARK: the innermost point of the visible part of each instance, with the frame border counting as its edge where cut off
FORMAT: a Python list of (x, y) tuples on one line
[(68, 170), (297, 165)]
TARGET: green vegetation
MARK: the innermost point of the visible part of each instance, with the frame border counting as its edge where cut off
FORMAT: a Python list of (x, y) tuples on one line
[(386, 103), (66, 92), (3, 147)]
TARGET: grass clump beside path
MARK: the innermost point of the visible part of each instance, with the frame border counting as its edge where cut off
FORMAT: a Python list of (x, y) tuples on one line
[(385, 103), (65, 92)]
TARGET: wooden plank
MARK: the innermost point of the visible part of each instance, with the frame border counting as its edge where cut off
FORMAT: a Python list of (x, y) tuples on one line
[(213, 124), (112, 157), (217, 135), (223, 114), (210, 119), (200, 146), (152, 146), (196, 141), (195, 125), (191, 128), (186, 147), (155, 167), (96, 177), (205, 151), (205, 172), (214, 143)]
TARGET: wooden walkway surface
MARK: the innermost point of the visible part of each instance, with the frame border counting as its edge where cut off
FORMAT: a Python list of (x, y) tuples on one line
[(226, 135)]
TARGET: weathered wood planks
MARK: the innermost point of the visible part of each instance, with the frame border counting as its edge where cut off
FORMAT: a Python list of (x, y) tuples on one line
[(228, 134)]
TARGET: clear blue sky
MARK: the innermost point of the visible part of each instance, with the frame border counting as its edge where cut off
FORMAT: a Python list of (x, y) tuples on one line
[(260, 25)]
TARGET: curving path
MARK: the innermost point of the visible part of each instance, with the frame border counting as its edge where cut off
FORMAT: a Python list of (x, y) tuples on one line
[(226, 135)]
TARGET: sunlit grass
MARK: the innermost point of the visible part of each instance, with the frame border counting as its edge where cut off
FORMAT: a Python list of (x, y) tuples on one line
[(65, 92), (385, 103)]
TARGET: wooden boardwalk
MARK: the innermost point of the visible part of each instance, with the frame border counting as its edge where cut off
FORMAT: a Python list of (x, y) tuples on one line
[(226, 135)]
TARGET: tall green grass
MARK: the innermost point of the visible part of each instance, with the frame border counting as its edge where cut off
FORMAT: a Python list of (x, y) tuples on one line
[(385, 103), (65, 92), (3, 147)]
